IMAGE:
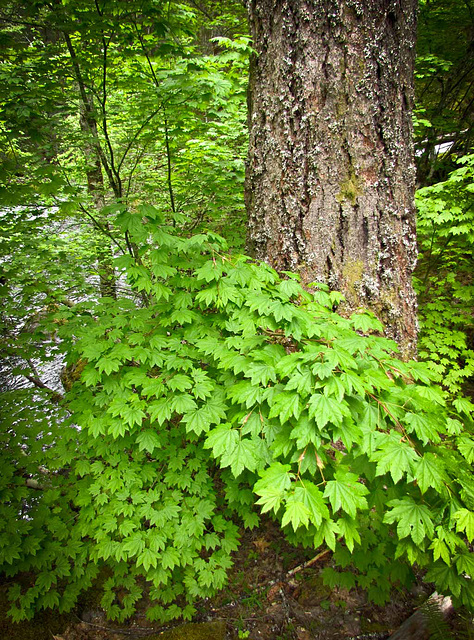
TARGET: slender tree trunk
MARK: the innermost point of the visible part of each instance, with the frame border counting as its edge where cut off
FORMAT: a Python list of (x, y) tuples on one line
[(330, 174), (95, 187)]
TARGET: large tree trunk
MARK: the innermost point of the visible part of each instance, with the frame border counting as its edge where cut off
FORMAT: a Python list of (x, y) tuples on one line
[(330, 175)]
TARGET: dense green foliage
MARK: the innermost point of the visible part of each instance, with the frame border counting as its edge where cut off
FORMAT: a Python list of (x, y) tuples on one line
[(445, 270), (205, 389), (229, 367)]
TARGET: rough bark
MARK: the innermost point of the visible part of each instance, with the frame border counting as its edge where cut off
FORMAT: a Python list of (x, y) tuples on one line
[(330, 173)]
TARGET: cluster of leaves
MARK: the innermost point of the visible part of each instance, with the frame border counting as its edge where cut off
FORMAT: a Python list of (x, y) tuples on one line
[(445, 276), (224, 388)]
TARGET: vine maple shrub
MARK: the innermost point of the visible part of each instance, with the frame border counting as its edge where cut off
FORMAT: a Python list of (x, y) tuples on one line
[(221, 390)]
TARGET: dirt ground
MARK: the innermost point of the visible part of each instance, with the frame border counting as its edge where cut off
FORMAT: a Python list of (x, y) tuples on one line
[(264, 600)]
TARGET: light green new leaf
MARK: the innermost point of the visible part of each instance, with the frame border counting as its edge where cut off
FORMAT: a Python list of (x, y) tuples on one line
[(197, 420), (133, 415), (180, 382), (465, 522), (222, 439), (312, 498), (348, 530), (326, 534), (134, 545), (440, 550), (243, 456), (160, 410), (261, 373), (302, 382), (270, 498), (107, 365), (182, 403), (296, 513), (147, 559), (466, 447)]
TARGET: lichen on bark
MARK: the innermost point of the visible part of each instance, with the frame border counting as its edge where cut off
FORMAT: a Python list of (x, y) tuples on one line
[(330, 175)]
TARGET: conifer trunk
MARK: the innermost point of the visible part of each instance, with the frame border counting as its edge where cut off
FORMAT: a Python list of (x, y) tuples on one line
[(330, 174)]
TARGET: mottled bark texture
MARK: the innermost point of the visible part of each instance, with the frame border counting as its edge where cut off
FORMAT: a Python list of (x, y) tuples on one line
[(330, 173)]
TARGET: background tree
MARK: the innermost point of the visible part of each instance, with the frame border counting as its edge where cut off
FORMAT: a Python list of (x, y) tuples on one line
[(444, 87), (330, 179)]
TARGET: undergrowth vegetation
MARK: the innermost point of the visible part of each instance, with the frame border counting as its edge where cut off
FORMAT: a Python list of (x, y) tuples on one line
[(221, 391), (445, 275)]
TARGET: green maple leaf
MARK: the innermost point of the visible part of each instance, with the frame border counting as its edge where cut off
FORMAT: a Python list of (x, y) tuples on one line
[(394, 456), (148, 559), (466, 447), (197, 420), (289, 288), (261, 373), (445, 578), (270, 498), (430, 473), (412, 519), (302, 382), (278, 476), (245, 392), (423, 427), (152, 387), (324, 410), (148, 440), (134, 544), (243, 456), (465, 563), (160, 410), (182, 402), (296, 513), (440, 550), (347, 528), (285, 405), (313, 500), (326, 534), (465, 522), (346, 493), (365, 322), (180, 382), (132, 415), (107, 365), (222, 439)]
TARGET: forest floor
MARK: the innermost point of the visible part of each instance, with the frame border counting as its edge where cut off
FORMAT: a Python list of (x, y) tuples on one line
[(265, 600)]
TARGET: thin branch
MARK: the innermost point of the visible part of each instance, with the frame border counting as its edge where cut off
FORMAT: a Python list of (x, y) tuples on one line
[(90, 119), (310, 563), (101, 228), (135, 136), (168, 157), (56, 396)]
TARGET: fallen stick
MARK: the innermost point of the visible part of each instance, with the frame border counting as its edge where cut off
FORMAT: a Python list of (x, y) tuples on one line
[(310, 563)]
